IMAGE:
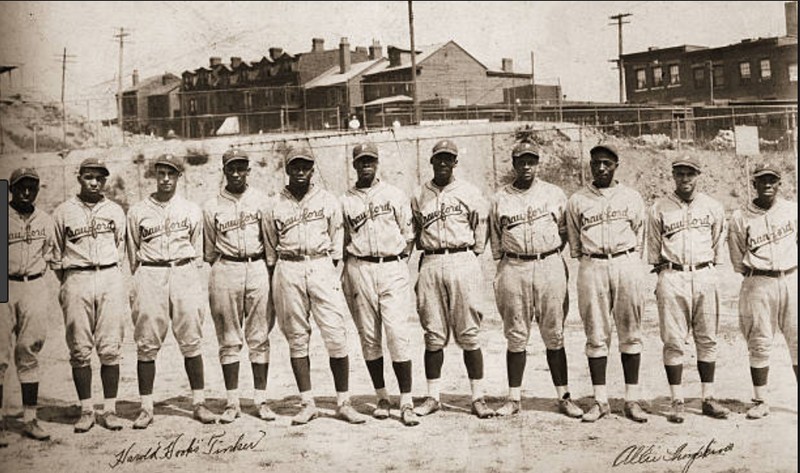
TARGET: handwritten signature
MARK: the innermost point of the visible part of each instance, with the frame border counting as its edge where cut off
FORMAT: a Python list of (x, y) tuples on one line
[(644, 454), (181, 447)]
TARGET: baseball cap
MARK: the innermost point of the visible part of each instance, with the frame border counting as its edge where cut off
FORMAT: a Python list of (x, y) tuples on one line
[(94, 163), (688, 162), (300, 153), (234, 154), (22, 173), (365, 149), (445, 147), (611, 149), (175, 162), (765, 170), (521, 149)]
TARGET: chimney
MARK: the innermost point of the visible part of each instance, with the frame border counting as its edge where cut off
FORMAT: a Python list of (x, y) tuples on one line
[(790, 9), (394, 56), (344, 56), (135, 77), (508, 65), (236, 62), (376, 50), (317, 45), (275, 53), (214, 61), (165, 78)]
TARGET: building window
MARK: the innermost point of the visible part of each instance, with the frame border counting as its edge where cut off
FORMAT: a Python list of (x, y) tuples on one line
[(719, 77), (766, 69), (793, 72), (744, 71), (658, 76), (674, 74), (641, 79), (699, 74)]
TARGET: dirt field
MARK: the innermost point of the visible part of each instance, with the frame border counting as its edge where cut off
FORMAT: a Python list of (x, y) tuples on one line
[(539, 439)]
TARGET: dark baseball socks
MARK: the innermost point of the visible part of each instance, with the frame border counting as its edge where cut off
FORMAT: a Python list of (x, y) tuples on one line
[(515, 368), (146, 376), (630, 369), (597, 371), (109, 376), (473, 360), (402, 370), (340, 368), (194, 371), (433, 371), (557, 362), (82, 377), (375, 368), (260, 373), (230, 374), (706, 370)]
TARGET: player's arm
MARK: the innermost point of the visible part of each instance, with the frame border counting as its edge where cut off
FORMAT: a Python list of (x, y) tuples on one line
[(719, 233), (196, 237), (270, 233), (638, 223), (737, 242), (209, 236), (561, 218), (480, 223), (654, 238), (133, 240), (417, 216), (120, 227), (405, 222), (495, 230), (335, 230), (59, 242), (346, 235), (574, 228)]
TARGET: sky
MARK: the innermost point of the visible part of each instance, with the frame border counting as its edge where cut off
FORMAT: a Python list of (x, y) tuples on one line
[(572, 41)]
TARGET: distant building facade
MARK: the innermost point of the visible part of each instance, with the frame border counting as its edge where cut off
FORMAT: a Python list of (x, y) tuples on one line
[(152, 105)]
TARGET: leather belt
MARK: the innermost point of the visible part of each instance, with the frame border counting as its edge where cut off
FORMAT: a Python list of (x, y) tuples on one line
[(167, 264), (242, 259), (302, 257), (535, 257), (445, 251), (682, 267), (20, 278), (772, 273), (379, 259), (611, 255), (96, 267)]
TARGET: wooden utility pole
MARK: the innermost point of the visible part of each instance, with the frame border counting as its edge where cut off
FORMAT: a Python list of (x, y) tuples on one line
[(64, 58), (121, 36), (533, 89), (413, 63), (618, 17)]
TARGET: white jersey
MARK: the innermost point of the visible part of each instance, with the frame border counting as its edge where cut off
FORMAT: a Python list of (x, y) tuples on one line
[(764, 239)]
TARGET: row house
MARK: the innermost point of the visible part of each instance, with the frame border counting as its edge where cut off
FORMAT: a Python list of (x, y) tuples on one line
[(152, 105)]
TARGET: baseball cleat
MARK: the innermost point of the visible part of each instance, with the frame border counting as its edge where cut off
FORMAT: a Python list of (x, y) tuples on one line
[(714, 409), (3, 438), (676, 412), (265, 413), (230, 414), (760, 409), (382, 409), (307, 414), (597, 411), (428, 406), (408, 416), (144, 420), (85, 423), (633, 411), (568, 407), (347, 413), (480, 409), (204, 415), (509, 408), (110, 421), (33, 430)]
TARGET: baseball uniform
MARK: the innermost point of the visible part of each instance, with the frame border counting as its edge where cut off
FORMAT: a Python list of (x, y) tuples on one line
[(89, 246), (164, 248), (526, 229), (239, 286), (378, 228), (302, 239), (605, 229), (685, 242), (763, 247), (24, 316), (451, 230)]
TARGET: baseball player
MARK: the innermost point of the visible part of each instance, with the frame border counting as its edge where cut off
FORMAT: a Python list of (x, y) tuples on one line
[(23, 319), (165, 235), (451, 229), (528, 230), (605, 226), (685, 240), (378, 237), (303, 246), (239, 286), (763, 247), (89, 247)]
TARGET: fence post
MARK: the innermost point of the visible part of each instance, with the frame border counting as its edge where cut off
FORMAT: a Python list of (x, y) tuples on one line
[(580, 156), (494, 165), (639, 119), (419, 175)]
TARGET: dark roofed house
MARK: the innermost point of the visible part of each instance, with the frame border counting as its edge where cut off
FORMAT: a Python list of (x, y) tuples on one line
[(152, 105)]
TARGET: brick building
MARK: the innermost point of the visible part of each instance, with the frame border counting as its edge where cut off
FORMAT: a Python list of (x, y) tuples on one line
[(152, 105)]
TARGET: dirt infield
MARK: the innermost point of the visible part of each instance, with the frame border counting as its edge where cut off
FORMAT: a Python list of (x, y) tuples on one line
[(539, 439)]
